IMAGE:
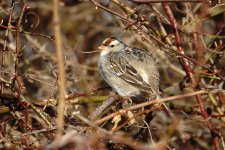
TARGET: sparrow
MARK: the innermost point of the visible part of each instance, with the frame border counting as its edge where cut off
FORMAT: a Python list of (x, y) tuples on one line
[(130, 72)]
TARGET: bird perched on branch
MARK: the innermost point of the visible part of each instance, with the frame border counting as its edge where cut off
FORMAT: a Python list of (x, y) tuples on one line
[(129, 71)]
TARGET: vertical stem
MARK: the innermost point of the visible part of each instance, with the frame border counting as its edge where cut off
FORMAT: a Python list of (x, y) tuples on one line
[(199, 47), (59, 53), (184, 61), (186, 66), (3, 52)]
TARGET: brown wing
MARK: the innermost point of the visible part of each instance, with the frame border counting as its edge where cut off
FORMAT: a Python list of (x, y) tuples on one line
[(124, 70)]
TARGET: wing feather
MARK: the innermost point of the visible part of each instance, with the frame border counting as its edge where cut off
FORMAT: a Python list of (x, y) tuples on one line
[(127, 72)]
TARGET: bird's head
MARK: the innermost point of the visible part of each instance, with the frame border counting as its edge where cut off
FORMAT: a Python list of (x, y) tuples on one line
[(111, 45)]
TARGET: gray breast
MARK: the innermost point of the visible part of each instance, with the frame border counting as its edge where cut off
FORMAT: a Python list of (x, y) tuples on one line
[(140, 63)]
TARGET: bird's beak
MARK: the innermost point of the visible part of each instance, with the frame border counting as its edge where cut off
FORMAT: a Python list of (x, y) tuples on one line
[(102, 47)]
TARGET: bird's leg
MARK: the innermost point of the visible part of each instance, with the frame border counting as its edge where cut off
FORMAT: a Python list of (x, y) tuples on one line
[(167, 109), (100, 109)]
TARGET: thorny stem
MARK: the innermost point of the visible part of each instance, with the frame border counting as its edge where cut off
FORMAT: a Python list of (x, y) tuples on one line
[(186, 66), (28, 33), (15, 78), (110, 11), (184, 61)]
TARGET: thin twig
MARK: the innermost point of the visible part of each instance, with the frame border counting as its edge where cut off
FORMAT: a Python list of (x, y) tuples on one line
[(148, 103)]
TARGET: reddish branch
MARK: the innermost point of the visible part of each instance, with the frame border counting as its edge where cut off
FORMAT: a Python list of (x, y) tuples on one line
[(110, 11), (198, 45), (16, 64), (12, 29), (186, 66), (184, 61)]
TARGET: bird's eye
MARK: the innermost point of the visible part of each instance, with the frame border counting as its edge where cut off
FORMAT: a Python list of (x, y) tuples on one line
[(111, 45)]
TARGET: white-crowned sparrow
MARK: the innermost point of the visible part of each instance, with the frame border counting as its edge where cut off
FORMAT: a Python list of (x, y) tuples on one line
[(129, 71)]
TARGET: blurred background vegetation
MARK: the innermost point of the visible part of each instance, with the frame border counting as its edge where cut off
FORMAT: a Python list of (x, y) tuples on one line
[(29, 75)]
